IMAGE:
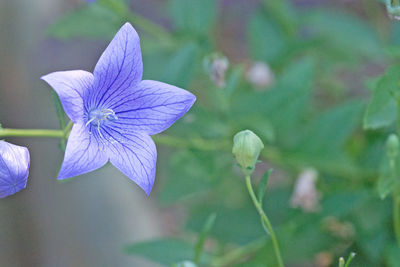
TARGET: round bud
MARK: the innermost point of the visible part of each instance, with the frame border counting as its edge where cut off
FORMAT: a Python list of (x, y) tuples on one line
[(246, 149)]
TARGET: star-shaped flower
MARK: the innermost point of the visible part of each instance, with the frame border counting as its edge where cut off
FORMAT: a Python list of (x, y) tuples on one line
[(115, 112), (14, 168)]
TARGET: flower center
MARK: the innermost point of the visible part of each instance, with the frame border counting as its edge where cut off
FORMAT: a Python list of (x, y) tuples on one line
[(98, 117)]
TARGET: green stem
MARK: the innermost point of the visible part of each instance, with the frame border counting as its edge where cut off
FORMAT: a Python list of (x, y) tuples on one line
[(349, 259), (194, 143), (271, 153), (396, 196), (396, 213), (232, 257), (32, 133), (266, 221), (67, 129)]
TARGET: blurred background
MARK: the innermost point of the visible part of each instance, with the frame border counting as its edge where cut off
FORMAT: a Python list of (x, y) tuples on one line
[(298, 73)]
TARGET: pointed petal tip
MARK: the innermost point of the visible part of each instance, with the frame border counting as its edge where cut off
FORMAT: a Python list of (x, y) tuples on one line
[(193, 99), (127, 24), (63, 176), (147, 189), (128, 27), (44, 77)]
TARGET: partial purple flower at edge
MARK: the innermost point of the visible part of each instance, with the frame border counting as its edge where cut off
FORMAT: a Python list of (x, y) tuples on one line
[(14, 168), (115, 112)]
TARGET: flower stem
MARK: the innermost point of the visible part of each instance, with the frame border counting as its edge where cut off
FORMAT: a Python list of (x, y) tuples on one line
[(32, 133), (195, 143), (396, 213), (396, 196), (265, 220), (271, 153)]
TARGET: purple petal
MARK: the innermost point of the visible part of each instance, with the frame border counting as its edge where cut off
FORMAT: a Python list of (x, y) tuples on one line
[(135, 155), (119, 67), (71, 87), (14, 168), (84, 153), (151, 107)]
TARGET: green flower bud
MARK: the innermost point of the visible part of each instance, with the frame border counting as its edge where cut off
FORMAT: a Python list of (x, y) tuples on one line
[(392, 146), (246, 148)]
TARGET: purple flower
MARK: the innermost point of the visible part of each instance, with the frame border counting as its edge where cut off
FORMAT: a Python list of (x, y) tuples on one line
[(14, 168), (115, 112)]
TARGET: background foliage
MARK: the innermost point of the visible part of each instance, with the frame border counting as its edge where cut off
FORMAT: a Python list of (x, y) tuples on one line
[(331, 107)]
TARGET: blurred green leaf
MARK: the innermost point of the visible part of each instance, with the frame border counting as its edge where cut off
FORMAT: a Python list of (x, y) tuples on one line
[(90, 21), (387, 177), (188, 174), (325, 136), (195, 17), (262, 185), (371, 221), (237, 225), (393, 256), (341, 203), (344, 32), (201, 239), (234, 78), (266, 40), (386, 180), (284, 14), (382, 108), (284, 106), (181, 66), (162, 251)]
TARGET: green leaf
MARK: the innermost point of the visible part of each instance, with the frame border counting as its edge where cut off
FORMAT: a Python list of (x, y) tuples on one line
[(325, 136), (198, 248), (387, 179), (237, 225), (382, 108), (193, 16), (266, 40), (162, 251), (393, 256), (284, 14), (344, 32), (181, 66), (188, 175), (285, 105), (90, 21), (234, 78), (262, 185)]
